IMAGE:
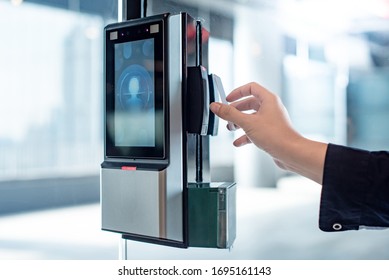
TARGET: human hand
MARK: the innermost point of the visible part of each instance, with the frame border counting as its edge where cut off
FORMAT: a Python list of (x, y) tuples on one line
[(268, 127)]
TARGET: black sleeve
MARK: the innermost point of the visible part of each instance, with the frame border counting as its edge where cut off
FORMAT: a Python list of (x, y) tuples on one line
[(355, 190)]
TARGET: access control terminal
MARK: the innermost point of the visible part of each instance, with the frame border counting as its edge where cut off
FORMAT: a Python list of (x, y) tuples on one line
[(155, 177)]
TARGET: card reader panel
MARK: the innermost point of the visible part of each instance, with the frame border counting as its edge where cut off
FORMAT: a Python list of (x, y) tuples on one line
[(198, 99)]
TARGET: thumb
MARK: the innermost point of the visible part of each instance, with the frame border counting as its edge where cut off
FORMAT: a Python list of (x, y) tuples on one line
[(227, 112)]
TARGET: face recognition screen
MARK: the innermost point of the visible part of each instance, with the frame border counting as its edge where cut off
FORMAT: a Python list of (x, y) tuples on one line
[(135, 93)]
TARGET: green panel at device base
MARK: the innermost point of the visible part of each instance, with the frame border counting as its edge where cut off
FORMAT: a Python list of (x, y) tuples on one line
[(212, 214)]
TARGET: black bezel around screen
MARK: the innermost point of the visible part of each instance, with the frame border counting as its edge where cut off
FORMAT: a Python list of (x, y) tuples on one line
[(135, 90)]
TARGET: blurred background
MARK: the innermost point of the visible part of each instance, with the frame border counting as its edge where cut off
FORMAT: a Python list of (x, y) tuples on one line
[(328, 61)]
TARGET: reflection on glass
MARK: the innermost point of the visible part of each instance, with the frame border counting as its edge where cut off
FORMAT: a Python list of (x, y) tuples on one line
[(50, 92)]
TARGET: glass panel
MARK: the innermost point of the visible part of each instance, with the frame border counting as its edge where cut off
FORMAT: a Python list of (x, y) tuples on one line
[(50, 91)]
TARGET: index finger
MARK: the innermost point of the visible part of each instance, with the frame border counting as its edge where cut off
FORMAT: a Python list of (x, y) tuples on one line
[(249, 89)]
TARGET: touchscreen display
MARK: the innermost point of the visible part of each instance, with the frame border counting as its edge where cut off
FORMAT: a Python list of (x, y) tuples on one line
[(135, 90), (134, 94)]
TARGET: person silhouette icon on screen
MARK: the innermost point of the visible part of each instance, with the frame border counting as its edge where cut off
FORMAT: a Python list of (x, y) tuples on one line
[(134, 101)]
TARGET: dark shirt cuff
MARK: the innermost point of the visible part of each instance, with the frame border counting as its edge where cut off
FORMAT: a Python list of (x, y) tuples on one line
[(345, 182)]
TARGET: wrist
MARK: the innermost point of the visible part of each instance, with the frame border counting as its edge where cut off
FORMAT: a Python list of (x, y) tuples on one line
[(305, 157)]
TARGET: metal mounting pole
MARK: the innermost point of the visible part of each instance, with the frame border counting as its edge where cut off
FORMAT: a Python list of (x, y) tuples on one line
[(127, 10), (131, 9)]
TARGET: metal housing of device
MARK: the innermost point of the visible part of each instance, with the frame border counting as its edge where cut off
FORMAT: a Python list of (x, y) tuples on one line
[(161, 200)]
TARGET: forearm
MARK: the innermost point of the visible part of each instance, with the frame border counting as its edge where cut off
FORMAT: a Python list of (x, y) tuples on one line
[(305, 157)]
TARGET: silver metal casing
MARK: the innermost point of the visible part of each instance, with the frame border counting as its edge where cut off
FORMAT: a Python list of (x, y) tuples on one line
[(149, 204)]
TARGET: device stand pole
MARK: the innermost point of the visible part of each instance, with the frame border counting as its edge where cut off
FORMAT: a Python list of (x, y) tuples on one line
[(131, 9), (127, 10)]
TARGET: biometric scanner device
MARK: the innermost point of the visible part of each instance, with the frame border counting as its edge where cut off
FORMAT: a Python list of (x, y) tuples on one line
[(155, 177)]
